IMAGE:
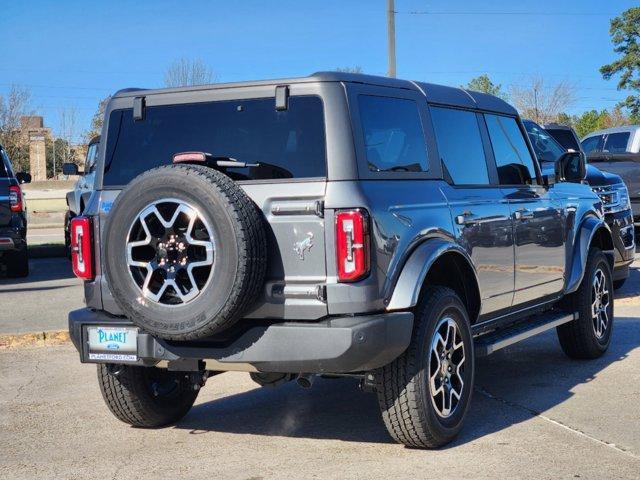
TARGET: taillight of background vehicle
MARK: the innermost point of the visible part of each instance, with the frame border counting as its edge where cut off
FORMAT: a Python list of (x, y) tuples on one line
[(15, 199), (352, 244), (81, 247)]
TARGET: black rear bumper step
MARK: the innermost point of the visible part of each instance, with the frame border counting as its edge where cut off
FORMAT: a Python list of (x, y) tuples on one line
[(491, 342), (334, 345)]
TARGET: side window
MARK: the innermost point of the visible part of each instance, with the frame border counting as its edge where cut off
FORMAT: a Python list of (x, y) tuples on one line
[(460, 145), (593, 144), (513, 159), (616, 142), (393, 134)]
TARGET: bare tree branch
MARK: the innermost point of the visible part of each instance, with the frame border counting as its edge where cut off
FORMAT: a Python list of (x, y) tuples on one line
[(185, 72), (540, 102)]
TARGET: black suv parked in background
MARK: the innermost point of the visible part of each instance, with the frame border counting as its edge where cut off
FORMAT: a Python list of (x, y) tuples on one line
[(336, 224), (13, 219), (608, 186)]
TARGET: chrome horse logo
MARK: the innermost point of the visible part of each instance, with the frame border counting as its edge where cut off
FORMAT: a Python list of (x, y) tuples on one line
[(302, 245)]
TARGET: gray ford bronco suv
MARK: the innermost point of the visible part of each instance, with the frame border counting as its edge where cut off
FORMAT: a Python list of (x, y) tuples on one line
[(335, 225)]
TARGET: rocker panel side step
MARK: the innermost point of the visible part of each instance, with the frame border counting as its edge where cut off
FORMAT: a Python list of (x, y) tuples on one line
[(491, 342)]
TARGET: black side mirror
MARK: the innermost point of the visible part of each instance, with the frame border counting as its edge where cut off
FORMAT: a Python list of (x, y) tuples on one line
[(23, 177), (69, 169), (571, 167)]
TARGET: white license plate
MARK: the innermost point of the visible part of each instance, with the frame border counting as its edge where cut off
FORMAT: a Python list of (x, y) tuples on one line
[(113, 343)]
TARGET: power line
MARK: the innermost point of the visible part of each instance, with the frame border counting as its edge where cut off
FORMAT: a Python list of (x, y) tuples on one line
[(547, 14)]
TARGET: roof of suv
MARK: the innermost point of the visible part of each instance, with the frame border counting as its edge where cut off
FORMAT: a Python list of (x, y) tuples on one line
[(624, 128), (440, 94)]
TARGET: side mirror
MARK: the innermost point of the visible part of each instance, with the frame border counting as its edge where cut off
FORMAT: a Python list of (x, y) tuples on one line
[(23, 177), (571, 167), (69, 169)]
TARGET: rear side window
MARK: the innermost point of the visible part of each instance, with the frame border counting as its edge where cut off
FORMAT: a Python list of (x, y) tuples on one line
[(513, 158), (4, 165), (284, 144), (393, 134), (460, 146), (616, 142), (593, 144)]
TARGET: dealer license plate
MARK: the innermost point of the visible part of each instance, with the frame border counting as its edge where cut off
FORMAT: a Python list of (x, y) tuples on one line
[(113, 343)]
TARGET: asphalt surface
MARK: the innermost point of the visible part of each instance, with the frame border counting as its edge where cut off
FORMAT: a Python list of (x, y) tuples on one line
[(41, 301), (535, 414)]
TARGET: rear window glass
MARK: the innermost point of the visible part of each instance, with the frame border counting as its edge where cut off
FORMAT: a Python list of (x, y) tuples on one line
[(393, 135), (284, 144), (4, 161), (616, 142)]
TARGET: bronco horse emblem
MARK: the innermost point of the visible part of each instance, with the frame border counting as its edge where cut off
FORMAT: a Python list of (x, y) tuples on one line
[(302, 245)]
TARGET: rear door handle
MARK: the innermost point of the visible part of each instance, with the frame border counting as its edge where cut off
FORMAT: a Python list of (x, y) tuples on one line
[(468, 218)]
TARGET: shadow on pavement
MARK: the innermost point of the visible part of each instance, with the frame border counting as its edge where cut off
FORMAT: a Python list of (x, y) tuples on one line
[(42, 270), (631, 287), (535, 375)]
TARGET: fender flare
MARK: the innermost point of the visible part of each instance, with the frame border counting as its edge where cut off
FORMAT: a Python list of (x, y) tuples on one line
[(589, 227), (71, 202), (409, 285)]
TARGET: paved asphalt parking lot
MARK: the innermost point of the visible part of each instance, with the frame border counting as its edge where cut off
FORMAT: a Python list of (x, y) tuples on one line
[(535, 413)]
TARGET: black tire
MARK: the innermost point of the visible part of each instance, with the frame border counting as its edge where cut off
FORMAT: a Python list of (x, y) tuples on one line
[(579, 338), (617, 284), (68, 216), (239, 260), (403, 388), (17, 263), (146, 397)]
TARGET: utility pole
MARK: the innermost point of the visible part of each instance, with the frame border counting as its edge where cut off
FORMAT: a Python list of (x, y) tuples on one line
[(391, 38)]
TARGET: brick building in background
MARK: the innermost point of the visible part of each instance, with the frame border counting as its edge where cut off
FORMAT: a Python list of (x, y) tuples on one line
[(33, 127)]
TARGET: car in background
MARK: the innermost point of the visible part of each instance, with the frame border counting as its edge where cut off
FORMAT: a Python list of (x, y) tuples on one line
[(564, 135), (13, 219), (617, 150), (77, 197), (609, 187)]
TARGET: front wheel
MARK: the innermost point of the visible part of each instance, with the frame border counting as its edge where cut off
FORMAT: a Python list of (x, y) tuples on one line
[(589, 335), (424, 394), (146, 396)]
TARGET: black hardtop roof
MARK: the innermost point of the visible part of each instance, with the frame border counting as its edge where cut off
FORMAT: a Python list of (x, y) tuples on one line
[(439, 94)]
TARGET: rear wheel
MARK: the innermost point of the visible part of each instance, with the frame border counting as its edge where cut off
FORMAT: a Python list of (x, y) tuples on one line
[(17, 263), (589, 335), (424, 394), (146, 396)]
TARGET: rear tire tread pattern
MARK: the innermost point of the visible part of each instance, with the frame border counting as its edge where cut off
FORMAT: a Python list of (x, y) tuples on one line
[(129, 400)]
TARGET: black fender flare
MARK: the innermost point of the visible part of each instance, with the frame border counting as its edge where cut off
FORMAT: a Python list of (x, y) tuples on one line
[(71, 202), (589, 227), (410, 281)]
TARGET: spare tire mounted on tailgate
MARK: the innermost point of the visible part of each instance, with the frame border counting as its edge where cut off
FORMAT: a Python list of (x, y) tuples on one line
[(185, 251)]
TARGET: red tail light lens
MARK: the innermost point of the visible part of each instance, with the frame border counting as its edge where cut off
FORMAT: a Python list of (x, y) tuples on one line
[(352, 243), (82, 248), (15, 199)]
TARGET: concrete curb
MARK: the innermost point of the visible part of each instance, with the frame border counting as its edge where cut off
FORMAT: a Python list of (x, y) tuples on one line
[(34, 339)]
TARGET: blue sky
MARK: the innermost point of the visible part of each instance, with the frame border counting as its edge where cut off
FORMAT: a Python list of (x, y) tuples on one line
[(73, 53)]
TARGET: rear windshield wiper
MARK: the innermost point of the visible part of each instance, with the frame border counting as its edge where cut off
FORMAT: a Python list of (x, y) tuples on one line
[(208, 159)]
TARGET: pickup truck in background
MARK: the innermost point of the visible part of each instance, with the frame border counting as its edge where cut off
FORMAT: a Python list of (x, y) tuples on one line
[(617, 150)]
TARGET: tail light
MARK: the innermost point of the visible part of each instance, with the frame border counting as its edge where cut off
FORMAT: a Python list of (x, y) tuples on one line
[(15, 199), (352, 244), (82, 248)]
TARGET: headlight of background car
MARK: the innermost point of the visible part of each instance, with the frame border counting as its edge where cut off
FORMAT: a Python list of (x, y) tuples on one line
[(614, 198)]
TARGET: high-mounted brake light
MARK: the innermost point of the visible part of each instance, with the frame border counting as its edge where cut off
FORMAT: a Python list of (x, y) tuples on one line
[(81, 248), (352, 244), (15, 199)]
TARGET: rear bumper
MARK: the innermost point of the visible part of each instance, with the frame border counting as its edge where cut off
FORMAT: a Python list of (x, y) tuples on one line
[(10, 239), (336, 345)]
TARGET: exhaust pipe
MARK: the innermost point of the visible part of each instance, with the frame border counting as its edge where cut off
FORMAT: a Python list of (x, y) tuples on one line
[(305, 380)]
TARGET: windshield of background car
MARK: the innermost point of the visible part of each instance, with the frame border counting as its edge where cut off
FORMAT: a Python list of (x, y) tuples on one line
[(4, 165), (279, 144), (546, 147)]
